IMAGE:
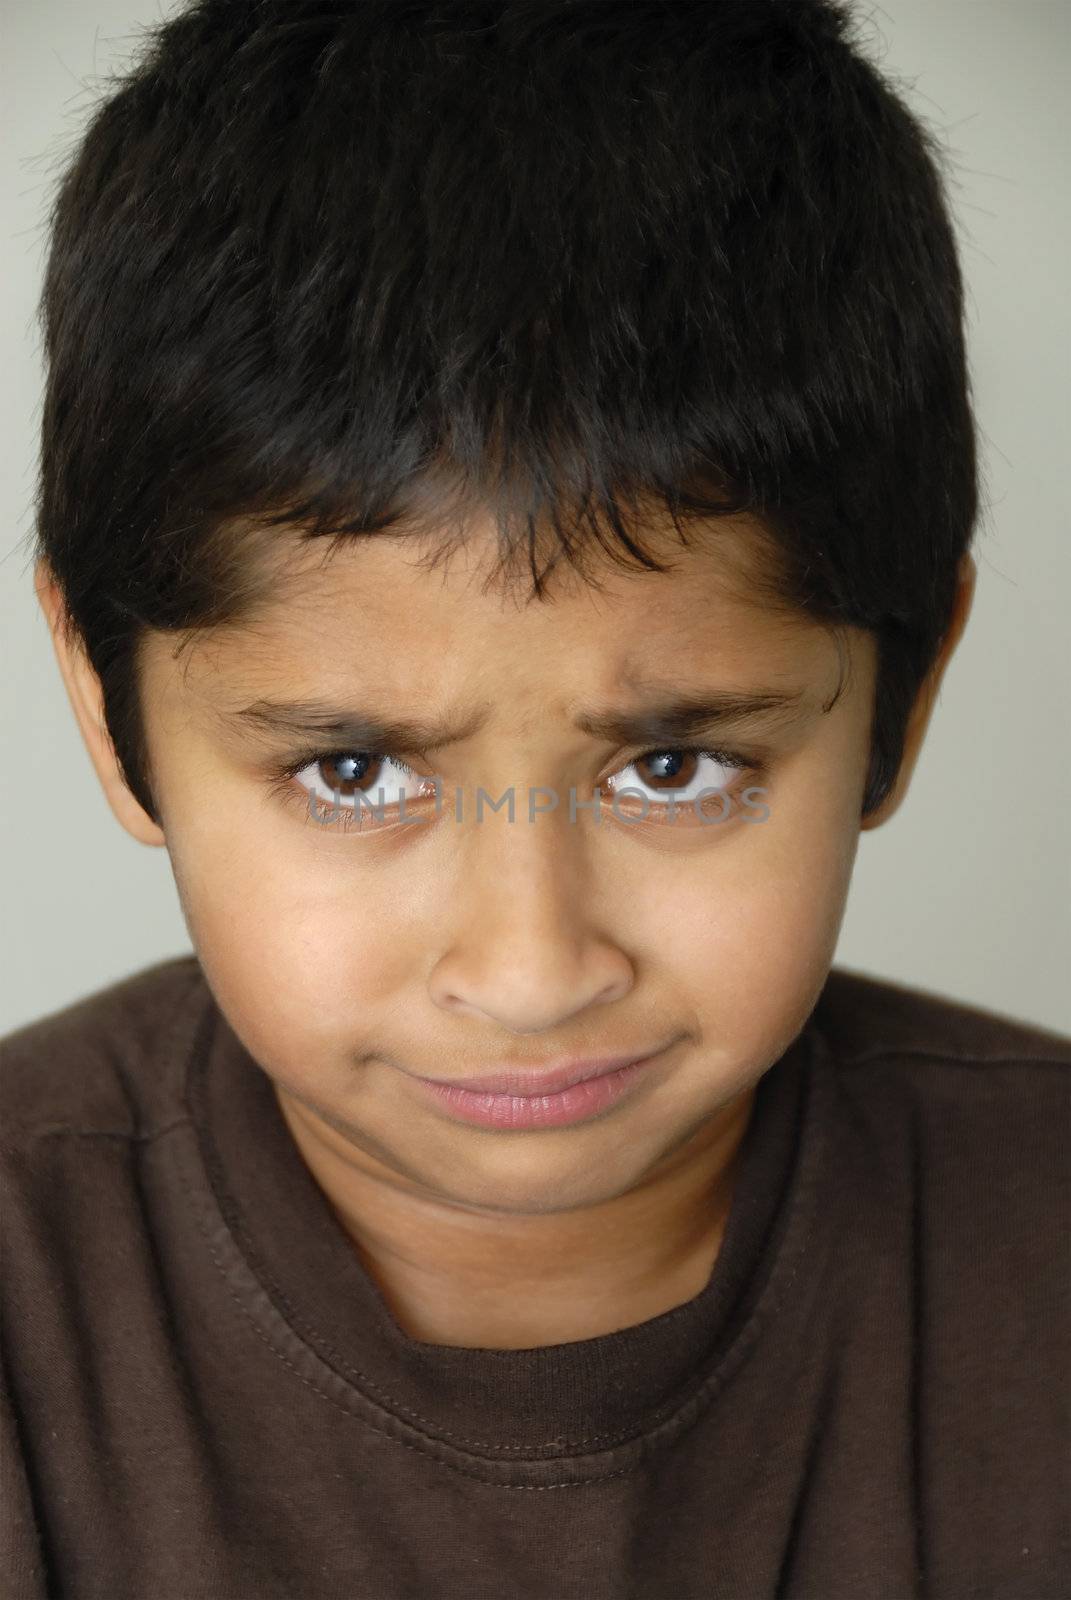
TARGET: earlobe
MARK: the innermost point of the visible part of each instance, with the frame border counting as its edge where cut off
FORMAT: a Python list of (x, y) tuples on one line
[(87, 701)]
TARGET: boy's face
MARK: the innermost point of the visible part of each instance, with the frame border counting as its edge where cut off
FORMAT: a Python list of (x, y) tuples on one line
[(353, 961)]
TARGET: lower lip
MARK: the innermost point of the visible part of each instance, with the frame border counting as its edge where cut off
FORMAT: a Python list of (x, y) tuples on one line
[(576, 1104)]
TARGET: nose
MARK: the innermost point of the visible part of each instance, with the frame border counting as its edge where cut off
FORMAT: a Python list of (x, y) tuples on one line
[(524, 951)]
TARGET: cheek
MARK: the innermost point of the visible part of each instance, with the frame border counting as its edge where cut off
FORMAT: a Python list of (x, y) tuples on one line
[(294, 947), (747, 937)]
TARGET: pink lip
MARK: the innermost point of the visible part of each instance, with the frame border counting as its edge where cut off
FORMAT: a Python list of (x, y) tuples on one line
[(547, 1080), (581, 1102)]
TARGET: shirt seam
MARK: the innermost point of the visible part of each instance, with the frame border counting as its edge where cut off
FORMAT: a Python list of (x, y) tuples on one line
[(396, 1414)]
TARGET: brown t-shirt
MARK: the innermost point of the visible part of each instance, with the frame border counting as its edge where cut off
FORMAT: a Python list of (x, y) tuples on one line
[(207, 1398)]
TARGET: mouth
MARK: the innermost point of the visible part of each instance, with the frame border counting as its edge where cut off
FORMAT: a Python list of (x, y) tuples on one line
[(541, 1081), (589, 1091)]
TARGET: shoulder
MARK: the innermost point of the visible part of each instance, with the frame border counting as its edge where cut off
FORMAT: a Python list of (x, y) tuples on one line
[(869, 1019), (80, 1068), (968, 1101), (952, 1085)]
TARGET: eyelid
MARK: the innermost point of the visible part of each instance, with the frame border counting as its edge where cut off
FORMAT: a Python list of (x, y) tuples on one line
[(731, 758), (740, 766), (291, 767)]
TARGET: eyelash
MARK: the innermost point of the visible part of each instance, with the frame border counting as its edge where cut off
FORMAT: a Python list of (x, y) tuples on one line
[(282, 777)]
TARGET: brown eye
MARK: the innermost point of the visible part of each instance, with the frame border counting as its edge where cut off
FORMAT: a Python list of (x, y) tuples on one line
[(358, 777), (673, 769), (666, 778), (350, 774)]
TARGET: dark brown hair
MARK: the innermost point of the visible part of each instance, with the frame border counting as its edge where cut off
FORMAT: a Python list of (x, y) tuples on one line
[(313, 261)]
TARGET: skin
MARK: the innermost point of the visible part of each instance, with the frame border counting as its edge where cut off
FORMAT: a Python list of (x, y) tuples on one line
[(349, 962)]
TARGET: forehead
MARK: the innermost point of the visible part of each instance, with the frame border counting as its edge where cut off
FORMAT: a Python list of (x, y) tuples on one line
[(393, 615)]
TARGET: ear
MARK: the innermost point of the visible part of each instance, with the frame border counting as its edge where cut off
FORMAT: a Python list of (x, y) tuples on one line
[(922, 710), (87, 701)]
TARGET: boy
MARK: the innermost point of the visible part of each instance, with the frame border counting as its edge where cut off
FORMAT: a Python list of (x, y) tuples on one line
[(507, 484)]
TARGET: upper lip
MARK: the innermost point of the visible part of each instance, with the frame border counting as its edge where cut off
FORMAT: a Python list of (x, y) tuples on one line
[(551, 1079)]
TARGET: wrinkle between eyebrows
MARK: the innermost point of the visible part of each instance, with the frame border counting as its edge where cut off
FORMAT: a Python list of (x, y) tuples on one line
[(679, 716)]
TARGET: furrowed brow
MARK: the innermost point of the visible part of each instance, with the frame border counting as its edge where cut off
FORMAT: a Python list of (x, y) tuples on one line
[(676, 718), (347, 728), (685, 716)]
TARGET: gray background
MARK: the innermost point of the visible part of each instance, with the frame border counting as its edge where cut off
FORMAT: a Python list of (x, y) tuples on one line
[(966, 892)]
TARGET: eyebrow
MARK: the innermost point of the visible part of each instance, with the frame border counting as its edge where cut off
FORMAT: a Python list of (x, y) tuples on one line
[(677, 717)]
